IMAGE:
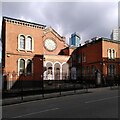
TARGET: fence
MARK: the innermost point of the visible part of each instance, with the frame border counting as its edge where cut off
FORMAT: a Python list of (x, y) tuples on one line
[(43, 87), (26, 87)]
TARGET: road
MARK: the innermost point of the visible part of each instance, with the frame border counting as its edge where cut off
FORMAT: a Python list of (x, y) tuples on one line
[(102, 103)]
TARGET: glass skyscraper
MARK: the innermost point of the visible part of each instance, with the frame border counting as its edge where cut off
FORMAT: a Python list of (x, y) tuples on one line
[(75, 40)]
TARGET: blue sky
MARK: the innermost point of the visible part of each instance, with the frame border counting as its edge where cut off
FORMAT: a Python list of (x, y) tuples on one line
[(89, 18)]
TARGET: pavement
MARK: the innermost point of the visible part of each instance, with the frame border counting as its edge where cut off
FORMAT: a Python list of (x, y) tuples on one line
[(97, 103), (20, 99)]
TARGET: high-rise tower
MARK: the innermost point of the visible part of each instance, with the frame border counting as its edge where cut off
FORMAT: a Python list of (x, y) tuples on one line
[(115, 35), (75, 40)]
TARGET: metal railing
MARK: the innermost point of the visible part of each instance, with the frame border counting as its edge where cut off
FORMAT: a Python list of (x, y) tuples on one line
[(20, 87), (42, 87)]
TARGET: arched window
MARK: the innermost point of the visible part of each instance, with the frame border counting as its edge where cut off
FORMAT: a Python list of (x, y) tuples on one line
[(65, 71), (93, 70), (113, 54), (79, 58), (25, 42), (57, 71), (83, 58), (29, 43), (48, 74), (87, 70), (83, 70), (73, 73), (109, 53), (22, 66), (111, 70), (29, 67), (22, 42)]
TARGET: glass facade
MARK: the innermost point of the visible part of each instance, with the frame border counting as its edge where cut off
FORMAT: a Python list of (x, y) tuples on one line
[(75, 40)]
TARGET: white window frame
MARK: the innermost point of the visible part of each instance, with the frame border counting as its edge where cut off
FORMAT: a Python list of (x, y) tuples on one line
[(19, 65), (32, 49), (19, 41), (25, 66), (25, 43), (112, 54), (109, 53)]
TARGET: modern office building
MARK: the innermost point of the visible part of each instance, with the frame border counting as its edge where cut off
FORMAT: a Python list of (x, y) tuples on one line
[(75, 39), (115, 35)]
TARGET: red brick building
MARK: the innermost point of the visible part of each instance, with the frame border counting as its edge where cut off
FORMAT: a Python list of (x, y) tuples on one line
[(101, 56), (31, 52)]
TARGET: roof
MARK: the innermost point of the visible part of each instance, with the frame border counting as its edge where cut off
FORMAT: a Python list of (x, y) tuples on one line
[(61, 38), (9, 18), (100, 40)]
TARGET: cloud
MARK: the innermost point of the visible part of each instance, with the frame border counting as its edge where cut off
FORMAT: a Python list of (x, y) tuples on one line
[(60, 0), (90, 19), (119, 14)]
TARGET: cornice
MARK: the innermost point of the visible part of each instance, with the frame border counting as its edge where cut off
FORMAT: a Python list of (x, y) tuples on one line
[(23, 23)]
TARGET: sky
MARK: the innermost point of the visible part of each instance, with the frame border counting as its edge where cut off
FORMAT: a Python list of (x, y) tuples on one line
[(89, 19)]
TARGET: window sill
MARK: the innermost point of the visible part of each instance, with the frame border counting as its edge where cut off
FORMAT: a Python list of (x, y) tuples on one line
[(111, 58), (25, 50), (29, 51), (21, 50)]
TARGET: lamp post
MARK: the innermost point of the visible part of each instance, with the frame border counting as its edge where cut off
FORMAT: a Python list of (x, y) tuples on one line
[(42, 75)]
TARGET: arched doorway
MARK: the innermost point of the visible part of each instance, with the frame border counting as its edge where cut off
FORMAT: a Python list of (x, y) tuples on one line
[(65, 71), (48, 73), (73, 73), (57, 71)]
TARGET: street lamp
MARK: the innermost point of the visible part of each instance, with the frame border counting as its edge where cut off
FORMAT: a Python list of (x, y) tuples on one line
[(42, 75)]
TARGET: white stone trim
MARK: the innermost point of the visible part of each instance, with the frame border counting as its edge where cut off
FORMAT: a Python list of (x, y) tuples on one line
[(31, 43), (67, 69), (26, 65), (18, 62), (18, 44), (52, 67), (47, 62), (64, 63), (26, 36), (60, 68), (109, 53)]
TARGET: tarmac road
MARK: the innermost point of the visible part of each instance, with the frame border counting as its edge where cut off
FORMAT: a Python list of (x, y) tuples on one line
[(100, 103)]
